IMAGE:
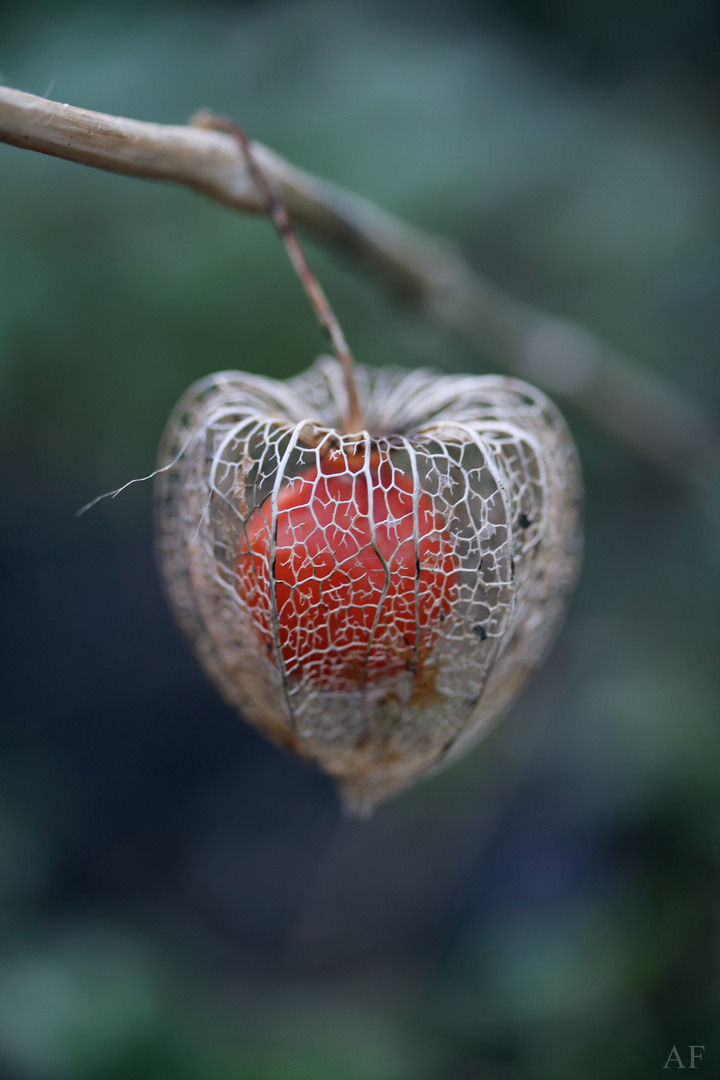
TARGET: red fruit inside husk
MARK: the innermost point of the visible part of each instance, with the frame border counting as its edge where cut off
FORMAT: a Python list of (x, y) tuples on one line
[(346, 610)]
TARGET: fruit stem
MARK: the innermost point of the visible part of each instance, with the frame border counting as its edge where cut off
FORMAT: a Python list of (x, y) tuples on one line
[(354, 421)]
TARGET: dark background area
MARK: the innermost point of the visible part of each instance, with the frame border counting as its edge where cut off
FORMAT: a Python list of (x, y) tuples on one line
[(180, 899)]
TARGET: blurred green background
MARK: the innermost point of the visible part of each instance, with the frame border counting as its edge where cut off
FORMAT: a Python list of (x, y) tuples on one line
[(179, 899)]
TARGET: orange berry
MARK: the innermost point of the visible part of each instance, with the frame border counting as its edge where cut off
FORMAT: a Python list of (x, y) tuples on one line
[(347, 609)]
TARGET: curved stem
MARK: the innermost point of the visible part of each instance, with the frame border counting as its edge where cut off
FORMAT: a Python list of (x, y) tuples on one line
[(354, 421)]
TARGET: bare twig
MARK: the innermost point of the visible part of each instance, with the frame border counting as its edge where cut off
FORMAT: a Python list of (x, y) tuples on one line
[(650, 414)]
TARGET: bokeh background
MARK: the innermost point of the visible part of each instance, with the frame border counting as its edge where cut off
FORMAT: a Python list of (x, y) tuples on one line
[(178, 898)]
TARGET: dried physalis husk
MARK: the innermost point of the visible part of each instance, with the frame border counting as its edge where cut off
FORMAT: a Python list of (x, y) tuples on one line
[(369, 601)]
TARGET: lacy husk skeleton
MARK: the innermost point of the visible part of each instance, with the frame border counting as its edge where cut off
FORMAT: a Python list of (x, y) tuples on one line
[(496, 461)]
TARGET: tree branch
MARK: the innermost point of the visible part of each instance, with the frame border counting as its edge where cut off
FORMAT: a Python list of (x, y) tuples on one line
[(649, 414)]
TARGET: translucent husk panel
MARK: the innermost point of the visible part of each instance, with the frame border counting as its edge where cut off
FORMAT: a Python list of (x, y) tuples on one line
[(369, 601)]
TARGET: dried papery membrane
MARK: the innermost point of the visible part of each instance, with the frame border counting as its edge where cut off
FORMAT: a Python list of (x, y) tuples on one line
[(370, 601)]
